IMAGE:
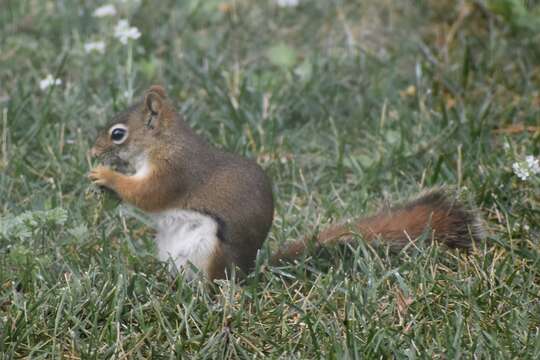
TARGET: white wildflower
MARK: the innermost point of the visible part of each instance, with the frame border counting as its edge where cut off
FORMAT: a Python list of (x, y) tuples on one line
[(98, 46), (48, 81), (521, 171), (287, 3), (533, 164), (105, 10), (520, 226), (123, 32), (527, 168)]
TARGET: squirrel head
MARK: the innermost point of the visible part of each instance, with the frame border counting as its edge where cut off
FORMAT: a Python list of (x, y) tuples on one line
[(137, 130)]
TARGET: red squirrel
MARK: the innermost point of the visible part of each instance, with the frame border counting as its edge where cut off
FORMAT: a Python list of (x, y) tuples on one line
[(214, 209)]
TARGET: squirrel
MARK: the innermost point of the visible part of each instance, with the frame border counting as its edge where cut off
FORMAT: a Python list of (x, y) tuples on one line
[(213, 209)]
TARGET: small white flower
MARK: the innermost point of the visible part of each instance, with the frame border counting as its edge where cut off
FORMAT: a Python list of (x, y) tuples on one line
[(287, 3), (518, 226), (98, 46), (521, 171), (527, 168), (48, 81), (123, 32), (105, 10), (533, 164)]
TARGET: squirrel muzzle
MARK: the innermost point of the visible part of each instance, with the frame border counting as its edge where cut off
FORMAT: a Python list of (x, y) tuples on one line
[(94, 152)]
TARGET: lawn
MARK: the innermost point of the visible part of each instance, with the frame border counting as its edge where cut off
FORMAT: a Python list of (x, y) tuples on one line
[(347, 104)]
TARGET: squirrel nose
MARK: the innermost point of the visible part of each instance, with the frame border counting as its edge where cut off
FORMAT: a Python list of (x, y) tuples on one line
[(94, 152)]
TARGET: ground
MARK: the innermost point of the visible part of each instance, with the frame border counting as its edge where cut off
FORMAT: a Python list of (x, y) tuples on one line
[(348, 105)]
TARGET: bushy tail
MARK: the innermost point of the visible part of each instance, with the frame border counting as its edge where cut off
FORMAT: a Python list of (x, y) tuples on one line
[(434, 214)]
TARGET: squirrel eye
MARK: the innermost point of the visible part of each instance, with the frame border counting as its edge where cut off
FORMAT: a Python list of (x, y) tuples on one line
[(119, 134)]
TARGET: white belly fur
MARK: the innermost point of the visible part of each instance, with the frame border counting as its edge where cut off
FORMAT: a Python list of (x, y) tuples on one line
[(186, 236)]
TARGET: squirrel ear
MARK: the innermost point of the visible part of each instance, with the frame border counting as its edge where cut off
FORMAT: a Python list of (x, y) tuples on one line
[(154, 99), (158, 89)]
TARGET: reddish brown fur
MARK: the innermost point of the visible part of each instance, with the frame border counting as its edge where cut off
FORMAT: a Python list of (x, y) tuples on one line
[(138, 191), (218, 266), (432, 214)]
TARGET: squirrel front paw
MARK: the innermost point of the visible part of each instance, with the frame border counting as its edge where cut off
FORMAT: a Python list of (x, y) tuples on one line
[(102, 176)]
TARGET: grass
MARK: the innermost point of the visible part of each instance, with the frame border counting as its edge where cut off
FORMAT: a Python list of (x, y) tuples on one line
[(347, 105)]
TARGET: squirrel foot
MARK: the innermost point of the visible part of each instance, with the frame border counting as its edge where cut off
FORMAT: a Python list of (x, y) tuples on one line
[(102, 176)]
